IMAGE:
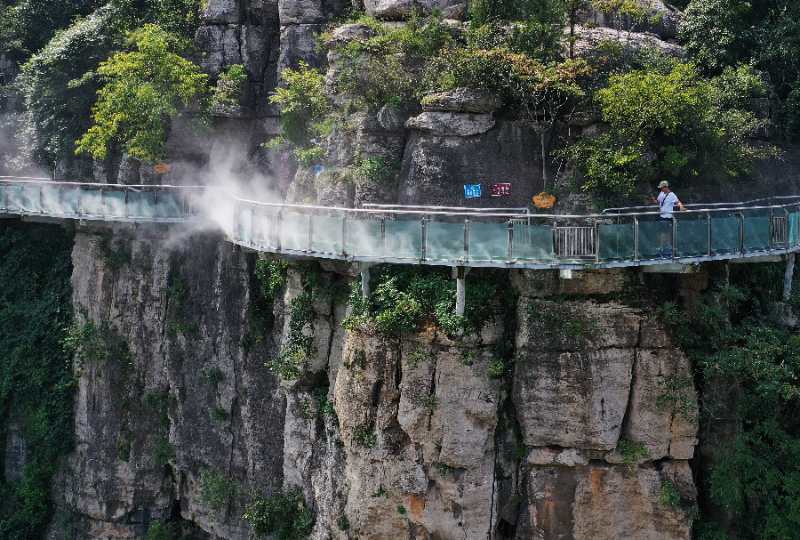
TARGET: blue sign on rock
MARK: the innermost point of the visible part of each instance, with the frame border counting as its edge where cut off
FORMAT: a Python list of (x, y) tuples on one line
[(472, 191)]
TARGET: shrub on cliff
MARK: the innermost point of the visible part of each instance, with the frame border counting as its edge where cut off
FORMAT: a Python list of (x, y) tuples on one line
[(141, 91), (304, 112), (284, 515), (674, 126)]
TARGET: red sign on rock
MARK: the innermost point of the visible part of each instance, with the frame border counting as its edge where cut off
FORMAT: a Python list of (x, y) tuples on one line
[(502, 189)]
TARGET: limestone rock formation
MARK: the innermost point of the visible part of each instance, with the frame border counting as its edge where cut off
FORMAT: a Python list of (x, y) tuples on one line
[(401, 9)]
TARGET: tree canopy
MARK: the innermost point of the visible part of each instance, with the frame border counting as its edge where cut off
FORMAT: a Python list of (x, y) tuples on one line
[(141, 91)]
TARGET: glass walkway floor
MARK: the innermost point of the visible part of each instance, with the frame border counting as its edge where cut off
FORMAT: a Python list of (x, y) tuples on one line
[(512, 238)]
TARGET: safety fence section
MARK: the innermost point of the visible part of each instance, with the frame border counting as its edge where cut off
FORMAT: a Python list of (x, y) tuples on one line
[(496, 239), (432, 235), (104, 202)]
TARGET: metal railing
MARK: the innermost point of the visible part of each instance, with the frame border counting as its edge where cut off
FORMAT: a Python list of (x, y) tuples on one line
[(434, 235)]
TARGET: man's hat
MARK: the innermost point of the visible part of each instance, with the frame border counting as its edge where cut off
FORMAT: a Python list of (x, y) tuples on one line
[(663, 183)]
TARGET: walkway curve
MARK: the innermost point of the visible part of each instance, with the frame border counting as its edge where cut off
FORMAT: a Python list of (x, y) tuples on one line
[(444, 236)]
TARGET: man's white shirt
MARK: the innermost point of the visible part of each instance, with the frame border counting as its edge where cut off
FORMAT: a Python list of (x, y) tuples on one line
[(667, 202)]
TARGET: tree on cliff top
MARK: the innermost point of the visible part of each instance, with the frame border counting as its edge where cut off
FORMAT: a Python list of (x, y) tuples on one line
[(142, 90)]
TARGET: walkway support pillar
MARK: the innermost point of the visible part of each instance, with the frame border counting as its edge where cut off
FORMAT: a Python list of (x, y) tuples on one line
[(461, 290), (788, 275), (365, 276)]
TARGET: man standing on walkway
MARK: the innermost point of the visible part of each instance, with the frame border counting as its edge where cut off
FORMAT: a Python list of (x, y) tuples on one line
[(666, 200), (666, 204)]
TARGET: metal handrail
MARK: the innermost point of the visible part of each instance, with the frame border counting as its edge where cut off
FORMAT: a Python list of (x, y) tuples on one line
[(546, 241), (705, 205)]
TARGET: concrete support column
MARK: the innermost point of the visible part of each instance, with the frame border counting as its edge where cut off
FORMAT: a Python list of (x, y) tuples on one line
[(365, 290), (461, 290), (788, 276)]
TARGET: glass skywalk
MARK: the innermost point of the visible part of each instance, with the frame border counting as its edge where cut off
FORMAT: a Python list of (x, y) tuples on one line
[(451, 237)]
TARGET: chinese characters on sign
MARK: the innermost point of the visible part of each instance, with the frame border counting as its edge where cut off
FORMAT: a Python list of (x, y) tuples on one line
[(501, 189), (472, 191)]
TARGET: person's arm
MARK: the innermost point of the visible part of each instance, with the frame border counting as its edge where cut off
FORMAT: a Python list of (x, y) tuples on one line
[(680, 204)]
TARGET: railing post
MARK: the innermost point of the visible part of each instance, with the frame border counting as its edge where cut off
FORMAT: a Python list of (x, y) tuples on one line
[(252, 241), (510, 244), (344, 234), (708, 233), (235, 221), (41, 200), (424, 238), (786, 228), (310, 248), (635, 239), (125, 211), (383, 236), (278, 225), (596, 242), (741, 232), (466, 239), (674, 237)]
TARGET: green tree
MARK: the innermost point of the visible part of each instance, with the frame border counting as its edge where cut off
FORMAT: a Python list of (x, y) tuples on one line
[(675, 125), (141, 91), (58, 88), (26, 26), (304, 111), (716, 33), (36, 380)]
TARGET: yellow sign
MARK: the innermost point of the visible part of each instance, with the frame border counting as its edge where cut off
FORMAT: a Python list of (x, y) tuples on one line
[(544, 200)]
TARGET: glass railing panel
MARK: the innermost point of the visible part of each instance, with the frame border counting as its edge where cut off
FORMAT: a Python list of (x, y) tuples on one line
[(51, 200), (169, 205), (403, 239), (91, 202), (23, 199), (445, 241), (488, 241), (724, 234), (244, 225), (616, 241), (794, 228), (532, 242), (265, 231), (756, 231), (364, 237), (70, 200), (327, 234), (655, 239), (692, 236), (294, 231), (114, 202)]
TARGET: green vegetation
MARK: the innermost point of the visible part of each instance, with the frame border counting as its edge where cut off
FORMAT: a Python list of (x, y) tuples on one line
[(212, 376), (220, 415), (632, 452), (304, 112), (747, 369), (60, 80), (217, 489), (365, 436), (674, 126), (669, 495), (271, 274), (162, 531), (230, 87), (299, 345), (375, 170), (406, 297), (140, 92), (178, 310), (36, 378), (284, 515), (719, 34)]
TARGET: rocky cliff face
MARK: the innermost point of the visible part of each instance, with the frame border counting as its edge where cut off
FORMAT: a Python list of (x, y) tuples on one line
[(586, 432), (587, 435)]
